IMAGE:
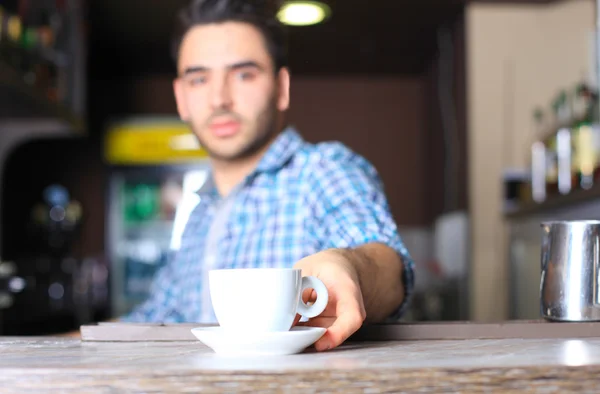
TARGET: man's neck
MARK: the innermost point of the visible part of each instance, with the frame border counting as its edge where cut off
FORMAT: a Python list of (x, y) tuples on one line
[(228, 174)]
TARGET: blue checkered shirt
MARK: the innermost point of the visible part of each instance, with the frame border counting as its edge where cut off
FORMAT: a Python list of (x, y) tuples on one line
[(301, 199)]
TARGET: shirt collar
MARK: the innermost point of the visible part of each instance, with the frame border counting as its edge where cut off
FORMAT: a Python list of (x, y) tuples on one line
[(287, 143), (280, 151)]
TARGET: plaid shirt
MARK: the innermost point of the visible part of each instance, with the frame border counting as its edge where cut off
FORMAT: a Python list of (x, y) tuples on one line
[(301, 199)]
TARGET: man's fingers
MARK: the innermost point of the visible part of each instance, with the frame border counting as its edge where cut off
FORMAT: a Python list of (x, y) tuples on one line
[(320, 321), (349, 317), (296, 320), (340, 329), (343, 315), (309, 295)]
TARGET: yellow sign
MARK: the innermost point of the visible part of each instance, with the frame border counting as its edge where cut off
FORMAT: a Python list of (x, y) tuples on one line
[(152, 143)]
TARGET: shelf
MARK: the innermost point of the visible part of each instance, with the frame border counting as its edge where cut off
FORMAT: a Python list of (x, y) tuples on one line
[(19, 100), (46, 55), (555, 202)]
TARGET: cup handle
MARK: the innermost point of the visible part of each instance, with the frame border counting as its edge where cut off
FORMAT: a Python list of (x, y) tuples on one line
[(312, 282)]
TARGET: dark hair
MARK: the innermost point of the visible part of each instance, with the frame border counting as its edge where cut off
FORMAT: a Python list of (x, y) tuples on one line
[(262, 14)]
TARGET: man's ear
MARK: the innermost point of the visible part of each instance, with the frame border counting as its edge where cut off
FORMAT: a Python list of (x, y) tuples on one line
[(283, 84), (180, 100)]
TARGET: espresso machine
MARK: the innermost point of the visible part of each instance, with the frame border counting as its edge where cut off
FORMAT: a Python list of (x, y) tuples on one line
[(53, 277)]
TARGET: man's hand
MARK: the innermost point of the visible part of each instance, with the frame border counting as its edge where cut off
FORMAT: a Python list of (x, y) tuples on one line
[(345, 311), (71, 334), (364, 284)]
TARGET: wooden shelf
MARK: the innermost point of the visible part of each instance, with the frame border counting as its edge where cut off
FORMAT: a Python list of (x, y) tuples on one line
[(553, 203), (19, 100)]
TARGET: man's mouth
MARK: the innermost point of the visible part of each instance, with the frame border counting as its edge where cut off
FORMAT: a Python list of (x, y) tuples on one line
[(224, 128)]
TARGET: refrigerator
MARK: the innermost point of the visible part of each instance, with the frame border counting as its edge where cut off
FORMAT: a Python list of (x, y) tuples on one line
[(156, 167)]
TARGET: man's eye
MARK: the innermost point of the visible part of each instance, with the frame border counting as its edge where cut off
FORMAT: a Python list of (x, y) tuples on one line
[(245, 75), (198, 80)]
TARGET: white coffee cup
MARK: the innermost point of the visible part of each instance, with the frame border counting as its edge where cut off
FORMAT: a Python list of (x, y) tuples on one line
[(263, 299)]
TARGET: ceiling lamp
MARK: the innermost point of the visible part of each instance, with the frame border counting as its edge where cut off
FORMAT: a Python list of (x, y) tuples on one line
[(303, 13)]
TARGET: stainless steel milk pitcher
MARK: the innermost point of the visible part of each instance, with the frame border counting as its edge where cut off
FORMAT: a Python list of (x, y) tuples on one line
[(570, 261)]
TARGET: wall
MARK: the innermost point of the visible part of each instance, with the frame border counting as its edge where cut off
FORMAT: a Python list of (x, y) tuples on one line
[(518, 57), (381, 118)]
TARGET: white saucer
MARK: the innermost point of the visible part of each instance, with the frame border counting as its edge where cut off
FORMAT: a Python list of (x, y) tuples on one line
[(263, 344)]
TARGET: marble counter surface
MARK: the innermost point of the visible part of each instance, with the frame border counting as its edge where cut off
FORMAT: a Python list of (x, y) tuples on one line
[(508, 365)]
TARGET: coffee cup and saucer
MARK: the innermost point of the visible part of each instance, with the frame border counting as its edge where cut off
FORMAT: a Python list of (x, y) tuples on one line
[(256, 308)]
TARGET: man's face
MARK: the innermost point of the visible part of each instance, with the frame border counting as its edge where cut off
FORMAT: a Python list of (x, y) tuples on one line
[(227, 89)]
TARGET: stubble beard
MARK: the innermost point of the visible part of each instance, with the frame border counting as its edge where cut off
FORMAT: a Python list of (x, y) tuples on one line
[(266, 130)]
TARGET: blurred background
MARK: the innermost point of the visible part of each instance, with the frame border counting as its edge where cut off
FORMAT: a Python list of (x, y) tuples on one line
[(481, 117)]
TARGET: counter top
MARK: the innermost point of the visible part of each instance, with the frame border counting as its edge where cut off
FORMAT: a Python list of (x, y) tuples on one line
[(506, 365)]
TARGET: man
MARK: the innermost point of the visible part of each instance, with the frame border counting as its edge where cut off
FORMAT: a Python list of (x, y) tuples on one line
[(272, 199)]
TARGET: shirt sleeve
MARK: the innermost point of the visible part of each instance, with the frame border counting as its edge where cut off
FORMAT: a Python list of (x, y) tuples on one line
[(161, 305), (349, 209)]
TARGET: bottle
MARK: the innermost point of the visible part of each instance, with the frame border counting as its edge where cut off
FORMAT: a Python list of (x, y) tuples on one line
[(3, 34), (586, 159), (551, 150), (577, 137), (564, 160), (28, 55), (539, 159), (564, 109), (579, 101), (2, 24), (561, 144), (593, 120), (13, 35)]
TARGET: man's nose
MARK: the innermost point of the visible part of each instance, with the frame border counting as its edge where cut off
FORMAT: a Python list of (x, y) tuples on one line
[(220, 94)]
